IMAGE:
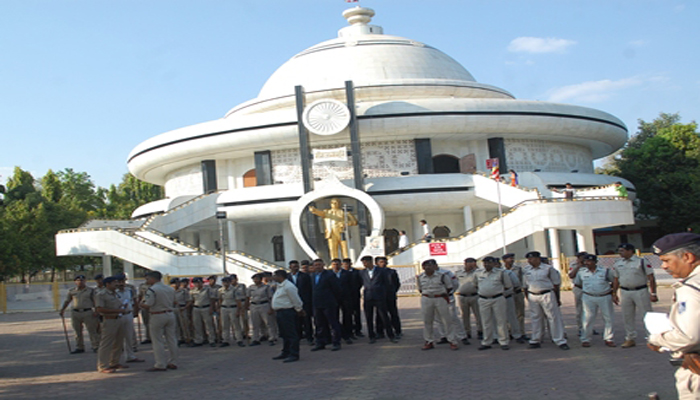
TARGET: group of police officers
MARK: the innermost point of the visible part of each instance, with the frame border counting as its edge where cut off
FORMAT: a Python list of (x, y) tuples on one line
[(495, 295)]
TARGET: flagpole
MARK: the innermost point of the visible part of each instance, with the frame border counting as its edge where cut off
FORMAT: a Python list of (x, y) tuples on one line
[(500, 215)]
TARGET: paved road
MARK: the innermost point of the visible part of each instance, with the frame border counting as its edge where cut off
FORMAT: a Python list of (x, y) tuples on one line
[(34, 364)]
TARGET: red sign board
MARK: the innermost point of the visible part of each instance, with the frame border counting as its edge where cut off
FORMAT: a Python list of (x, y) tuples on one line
[(438, 249)]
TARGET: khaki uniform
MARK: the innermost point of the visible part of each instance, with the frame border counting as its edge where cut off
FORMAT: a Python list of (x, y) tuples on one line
[(632, 274), (182, 296), (260, 297), (229, 300), (542, 302), (145, 316), (129, 295), (469, 300), (491, 286), (578, 292), (243, 312), (519, 298), (434, 291), (452, 306), (161, 301), (685, 335), (596, 294), (202, 315), (214, 292), (113, 327), (509, 294), (82, 313)]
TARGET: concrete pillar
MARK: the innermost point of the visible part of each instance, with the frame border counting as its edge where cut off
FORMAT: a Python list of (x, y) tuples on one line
[(129, 270), (585, 240), (106, 265), (539, 242), (416, 226), (290, 243), (554, 247), (232, 236), (568, 244), (468, 218)]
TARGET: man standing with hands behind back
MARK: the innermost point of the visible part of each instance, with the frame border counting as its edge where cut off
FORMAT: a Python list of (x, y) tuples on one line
[(160, 302)]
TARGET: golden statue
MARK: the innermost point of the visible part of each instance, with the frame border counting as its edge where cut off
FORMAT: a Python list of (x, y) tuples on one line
[(335, 220)]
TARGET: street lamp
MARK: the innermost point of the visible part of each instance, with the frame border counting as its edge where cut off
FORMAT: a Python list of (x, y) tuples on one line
[(221, 216)]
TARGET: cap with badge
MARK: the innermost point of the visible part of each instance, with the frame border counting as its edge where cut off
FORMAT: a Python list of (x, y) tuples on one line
[(174, 281), (591, 257), (674, 241), (509, 255), (81, 277), (533, 254), (197, 279), (626, 246), (489, 259), (110, 279)]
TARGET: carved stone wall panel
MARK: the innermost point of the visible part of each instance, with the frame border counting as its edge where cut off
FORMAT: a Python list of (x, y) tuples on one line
[(529, 155)]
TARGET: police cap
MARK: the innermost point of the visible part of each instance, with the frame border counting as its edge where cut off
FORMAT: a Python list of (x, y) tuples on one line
[(674, 241)]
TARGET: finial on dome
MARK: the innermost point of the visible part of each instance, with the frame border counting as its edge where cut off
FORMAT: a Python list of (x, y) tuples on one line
[(359, 19), (358, 15)]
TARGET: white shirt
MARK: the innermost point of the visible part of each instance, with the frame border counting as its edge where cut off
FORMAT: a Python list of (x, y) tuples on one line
[(403, 241), (286, 296)]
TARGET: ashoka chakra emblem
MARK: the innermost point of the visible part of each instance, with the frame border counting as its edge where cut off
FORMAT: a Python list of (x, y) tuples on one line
[(326, 117)]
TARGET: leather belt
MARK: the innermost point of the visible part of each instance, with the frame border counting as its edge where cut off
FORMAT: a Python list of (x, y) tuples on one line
[(491, 297), (598, 295), (182, 305), (435, 296), (229, 306), (207, 306), (508, 296), (518, 290), (111, 316), (82, 309), (260, 302), (635, 288), (468, 295), (160, 312), (539, 293)]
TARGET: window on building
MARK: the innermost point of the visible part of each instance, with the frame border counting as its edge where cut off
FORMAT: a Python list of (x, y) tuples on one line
[(391, 240), (278, 247), (441, 232), (445, 164), (249, 179)]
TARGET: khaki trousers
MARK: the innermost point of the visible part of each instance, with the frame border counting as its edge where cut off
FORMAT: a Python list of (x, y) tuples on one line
[(687, 384), (164, 332), (454, 319), (80, 318), (541, 307), (201, 318), (578, 292), (470, 305), (183, 323), (111, 343), (260, 318), (145, 316), (230, 320), (493, 318), (513, 322), (519, 299), (129, 336), (591, 304), (432, 308), (631, 301)]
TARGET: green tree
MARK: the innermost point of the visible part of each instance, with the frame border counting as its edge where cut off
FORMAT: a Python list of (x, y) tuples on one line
[(130, 194), (663, 162)]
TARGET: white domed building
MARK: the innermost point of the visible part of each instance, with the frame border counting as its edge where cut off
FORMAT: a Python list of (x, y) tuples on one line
[(398, 132)]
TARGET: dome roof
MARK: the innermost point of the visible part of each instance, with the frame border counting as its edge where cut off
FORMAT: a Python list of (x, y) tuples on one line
[(363, 54)]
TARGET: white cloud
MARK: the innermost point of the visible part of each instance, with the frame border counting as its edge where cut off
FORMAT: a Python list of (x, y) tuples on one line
[(594, 91), (539, 45)]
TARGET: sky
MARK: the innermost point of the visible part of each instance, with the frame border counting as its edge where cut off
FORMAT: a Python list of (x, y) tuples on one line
[(82, 82)]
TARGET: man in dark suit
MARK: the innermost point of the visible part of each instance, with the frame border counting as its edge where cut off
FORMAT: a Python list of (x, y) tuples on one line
[(345, 307), (303, 283), (391, 299), (354, 297), (375, 281), (326, 297)]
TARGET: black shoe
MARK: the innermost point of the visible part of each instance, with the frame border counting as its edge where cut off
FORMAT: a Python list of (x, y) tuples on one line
[(534, 346), (77, 351), (480, 335), (465, 341), (290, 359), (505, 347), (520, 340), (348, 341), (224, 344), (335, 347), (254, 343), (443, 341), (399, 335), (495, 341), (317, 348), (469, 335), (595, 332), (484, 347), (394, 340), (147, 341), (281, 357), (196, 345), (525, 337), (212, 344), (380, 336), (263, 338), (241, 344), (372, 340), (564, 346), (359, 334)]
